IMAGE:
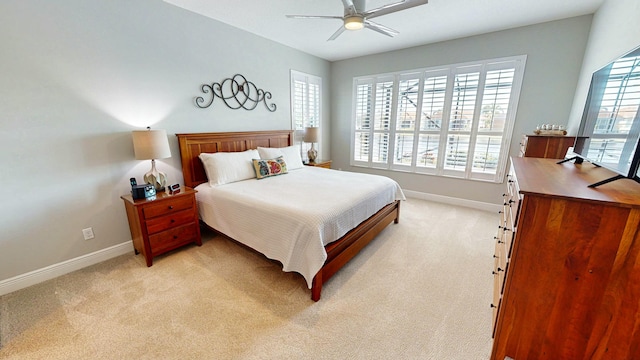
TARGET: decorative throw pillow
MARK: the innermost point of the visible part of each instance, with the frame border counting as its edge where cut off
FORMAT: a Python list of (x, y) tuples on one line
[(227, 167), (269, 167), (291, 155)]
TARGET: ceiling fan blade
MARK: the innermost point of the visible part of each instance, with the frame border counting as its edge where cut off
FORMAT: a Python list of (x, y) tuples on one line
[(313, 17), (380, 28), (337, 33), (391, 8)]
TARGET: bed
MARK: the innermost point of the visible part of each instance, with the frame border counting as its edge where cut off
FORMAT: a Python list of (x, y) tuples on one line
[(239, 197)]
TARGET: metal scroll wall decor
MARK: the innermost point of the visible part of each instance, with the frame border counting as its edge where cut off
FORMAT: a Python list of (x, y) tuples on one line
[(236, 93)]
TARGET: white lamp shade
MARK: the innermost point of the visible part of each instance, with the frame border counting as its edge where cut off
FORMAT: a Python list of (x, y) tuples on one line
[(151, 144), (311, 135), (299, 135)]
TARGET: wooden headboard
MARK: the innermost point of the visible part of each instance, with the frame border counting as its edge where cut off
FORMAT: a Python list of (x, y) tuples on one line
[(191, 145)]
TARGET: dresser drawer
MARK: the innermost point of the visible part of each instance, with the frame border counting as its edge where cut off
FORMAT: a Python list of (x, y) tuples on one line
[(499, 257), (173, 238), (500, 263), (495, 305), (162, 223), (168, 207)]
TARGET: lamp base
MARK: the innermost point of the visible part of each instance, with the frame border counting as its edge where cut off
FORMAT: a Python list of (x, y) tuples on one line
[(156, 178), (312, 154)]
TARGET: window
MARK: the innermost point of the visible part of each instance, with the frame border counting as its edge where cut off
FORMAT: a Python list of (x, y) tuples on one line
[(306, 106), (448, 121)]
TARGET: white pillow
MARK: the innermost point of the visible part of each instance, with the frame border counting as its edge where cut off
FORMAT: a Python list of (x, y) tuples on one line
[(291, 155), (227, 167)]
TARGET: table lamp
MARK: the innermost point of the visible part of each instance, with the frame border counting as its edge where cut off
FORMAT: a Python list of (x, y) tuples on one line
[(151, 145), (311, 136)]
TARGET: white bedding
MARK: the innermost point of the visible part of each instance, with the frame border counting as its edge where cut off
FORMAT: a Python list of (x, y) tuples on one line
[(291, 217)]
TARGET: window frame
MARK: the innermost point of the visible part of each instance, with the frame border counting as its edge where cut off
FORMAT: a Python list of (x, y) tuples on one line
[(470, 171), (309, 80), (312, 102)]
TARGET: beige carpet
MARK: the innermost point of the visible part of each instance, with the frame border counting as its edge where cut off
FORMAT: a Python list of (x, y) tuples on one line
[(421, 290)]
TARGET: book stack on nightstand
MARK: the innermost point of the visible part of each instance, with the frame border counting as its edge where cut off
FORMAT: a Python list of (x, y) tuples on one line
[(163, 223), (320, 163)]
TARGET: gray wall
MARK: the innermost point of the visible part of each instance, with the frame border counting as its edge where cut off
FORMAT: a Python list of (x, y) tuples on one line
[(614, 32), (77, 77), (554, 54)]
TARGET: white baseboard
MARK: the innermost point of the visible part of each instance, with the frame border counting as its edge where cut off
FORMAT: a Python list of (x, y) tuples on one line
[(453, 201), (65, 267)]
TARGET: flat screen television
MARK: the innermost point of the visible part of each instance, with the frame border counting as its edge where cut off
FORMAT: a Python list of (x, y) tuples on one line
[(610, 127)]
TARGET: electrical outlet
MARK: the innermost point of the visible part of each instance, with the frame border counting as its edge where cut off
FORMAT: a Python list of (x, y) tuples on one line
[(88, 233)]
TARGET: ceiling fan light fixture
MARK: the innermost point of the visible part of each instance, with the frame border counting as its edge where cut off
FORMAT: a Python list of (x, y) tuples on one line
[(353, 22)]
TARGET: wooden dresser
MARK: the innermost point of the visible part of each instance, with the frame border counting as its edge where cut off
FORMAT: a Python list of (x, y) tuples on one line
[(545, 146), (567, 274), (163, 223)]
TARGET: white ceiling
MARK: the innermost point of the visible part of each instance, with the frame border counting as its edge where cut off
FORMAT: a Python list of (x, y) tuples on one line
[(438, 20)]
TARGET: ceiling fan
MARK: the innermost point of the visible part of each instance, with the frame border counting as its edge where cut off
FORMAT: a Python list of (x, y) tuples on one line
[(356, 18)]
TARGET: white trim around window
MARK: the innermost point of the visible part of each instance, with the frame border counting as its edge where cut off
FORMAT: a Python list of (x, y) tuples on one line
[(306, 100), (306, 105)]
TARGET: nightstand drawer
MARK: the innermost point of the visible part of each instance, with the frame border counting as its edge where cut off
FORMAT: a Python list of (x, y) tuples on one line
[(168, 207), (173, 238), (162, 223)]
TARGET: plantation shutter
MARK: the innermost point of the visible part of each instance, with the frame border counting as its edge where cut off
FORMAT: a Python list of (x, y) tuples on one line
[(453, 120), (305, 100)]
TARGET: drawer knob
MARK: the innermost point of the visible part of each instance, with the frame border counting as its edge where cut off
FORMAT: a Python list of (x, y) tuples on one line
[(173, 220), (493, 306), (496, 272), (170, 207), (175, 237), (495, 256)]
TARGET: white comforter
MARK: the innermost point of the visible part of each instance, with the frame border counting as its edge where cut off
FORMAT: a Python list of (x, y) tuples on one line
[(291, 217)]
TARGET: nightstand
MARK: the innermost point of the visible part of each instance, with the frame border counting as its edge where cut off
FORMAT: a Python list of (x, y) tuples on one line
[(164, 223), (320, 163)]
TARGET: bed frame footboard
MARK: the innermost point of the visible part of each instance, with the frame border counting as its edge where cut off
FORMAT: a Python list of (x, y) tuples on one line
[(341, 251)]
